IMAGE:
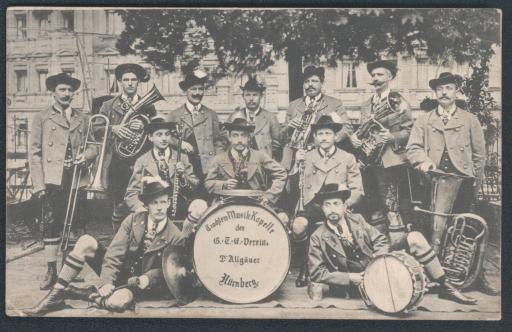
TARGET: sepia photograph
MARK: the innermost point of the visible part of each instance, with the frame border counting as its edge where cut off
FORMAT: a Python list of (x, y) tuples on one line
[(282, 163)]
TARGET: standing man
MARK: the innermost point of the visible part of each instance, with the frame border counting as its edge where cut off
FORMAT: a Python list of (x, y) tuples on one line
[(56, 137), (131, 267), (161, 161), (452, 140), (319, 103), (201, 128), (241, 167), (384, 177), (116, 169), (267, 132), (341, 249), (323, 165)]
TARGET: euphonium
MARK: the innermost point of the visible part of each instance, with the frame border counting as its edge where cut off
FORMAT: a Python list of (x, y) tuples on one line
[(298, 136), (458, 239), (130, 147)]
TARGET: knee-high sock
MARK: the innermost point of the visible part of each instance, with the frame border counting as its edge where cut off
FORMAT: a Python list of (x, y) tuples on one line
[(431, 263), (70, 269), (51, 248)]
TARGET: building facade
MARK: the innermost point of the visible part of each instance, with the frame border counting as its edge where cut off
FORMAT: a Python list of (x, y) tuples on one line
[(81, 42)]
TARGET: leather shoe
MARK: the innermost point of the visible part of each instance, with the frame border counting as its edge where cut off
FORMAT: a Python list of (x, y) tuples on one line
[(78, 293), (449, 292), (485, 287), (50, 278), (53, 301), (301, 280)]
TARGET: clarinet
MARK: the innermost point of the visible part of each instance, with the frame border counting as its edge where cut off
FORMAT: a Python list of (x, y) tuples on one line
[(241, 171), (176, 182)]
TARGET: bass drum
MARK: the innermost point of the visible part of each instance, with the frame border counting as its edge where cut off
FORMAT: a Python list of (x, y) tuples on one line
[(241, 251), (393, 283)]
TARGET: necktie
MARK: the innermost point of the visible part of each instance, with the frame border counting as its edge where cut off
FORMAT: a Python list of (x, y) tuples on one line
[(345, 232), (444, 118), (163, 168)]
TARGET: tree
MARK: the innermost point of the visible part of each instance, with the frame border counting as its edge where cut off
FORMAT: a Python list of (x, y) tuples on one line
[(249, 40)]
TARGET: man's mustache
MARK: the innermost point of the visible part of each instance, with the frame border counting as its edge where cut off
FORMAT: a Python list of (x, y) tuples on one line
[(376, 83), (197, 96), (333, 214)]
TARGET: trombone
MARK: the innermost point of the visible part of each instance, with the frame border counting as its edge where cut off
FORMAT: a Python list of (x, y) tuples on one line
[(95, 186)]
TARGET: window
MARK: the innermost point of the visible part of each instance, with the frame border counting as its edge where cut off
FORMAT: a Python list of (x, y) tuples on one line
[(21, 81), (43, 25), (42, 75), (21, 26), (69, 20), (348, 76), (110, 26)]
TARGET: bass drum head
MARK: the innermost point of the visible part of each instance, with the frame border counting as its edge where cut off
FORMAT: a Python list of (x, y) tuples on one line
[(241, 253), (388, 284)]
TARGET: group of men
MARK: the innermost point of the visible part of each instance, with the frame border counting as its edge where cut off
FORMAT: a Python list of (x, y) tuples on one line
[(334, 243)]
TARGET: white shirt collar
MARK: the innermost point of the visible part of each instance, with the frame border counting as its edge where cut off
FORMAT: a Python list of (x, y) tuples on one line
[(308, 100), (236, 155), (330, 152), (347, 235), (448, 112), (167, 153), (159, 227), (377, 98), (135, 98), (255, 113), (191, 107)]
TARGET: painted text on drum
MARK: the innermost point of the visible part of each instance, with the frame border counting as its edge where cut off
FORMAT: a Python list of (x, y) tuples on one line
[(239, 241), (247, 215), (238, 259)]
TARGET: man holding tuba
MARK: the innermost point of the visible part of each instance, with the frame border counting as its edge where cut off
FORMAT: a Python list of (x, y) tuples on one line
[(57, 135), (386, 122), (451, 139), (117, 170)]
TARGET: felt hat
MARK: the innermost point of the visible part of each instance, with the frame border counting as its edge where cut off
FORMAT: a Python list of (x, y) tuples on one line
[(253, 85), (445, 78), (193, 78), (158, 122), (239, 123), (389, 65), (313, 70), (326, 121), (332, 190), (62, 78), (134, 68), (153, 187)]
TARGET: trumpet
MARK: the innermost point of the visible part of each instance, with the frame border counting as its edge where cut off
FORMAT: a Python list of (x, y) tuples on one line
[(96, 185)]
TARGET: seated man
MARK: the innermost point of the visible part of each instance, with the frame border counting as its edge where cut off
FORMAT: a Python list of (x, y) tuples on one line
[(241, 167), (131, 267), (345, 244), (161, 161), (324, 164)]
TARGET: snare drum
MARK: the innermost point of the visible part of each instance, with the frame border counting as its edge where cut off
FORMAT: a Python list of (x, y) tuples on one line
[(241, 251), (393, 283)]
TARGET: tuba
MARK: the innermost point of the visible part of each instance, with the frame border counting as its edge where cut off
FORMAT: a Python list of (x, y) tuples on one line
[(458, 239), (370, 151), (130, 147)]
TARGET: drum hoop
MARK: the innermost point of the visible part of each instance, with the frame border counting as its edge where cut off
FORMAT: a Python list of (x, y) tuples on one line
[(218, 206)]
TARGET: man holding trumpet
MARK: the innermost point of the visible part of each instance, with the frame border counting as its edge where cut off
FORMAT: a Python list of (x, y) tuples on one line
[(57, 136), (128, 76)]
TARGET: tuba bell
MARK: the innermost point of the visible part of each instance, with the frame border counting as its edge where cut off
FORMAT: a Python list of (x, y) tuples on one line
[(459, 240), (130, 147)]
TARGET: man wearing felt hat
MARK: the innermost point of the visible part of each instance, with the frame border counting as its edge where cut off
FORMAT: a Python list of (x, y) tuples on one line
[(161, 161), (201, 127), (241, 167), (451, 139), (324, 164), (56, 137), (321, 104), (116, 169), (131, 267), (343, 246), (383, 178), (267, 133)]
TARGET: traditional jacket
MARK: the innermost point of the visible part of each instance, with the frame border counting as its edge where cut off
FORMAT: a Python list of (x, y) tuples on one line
[(267, 132), (325, 106), (205, 129), (462, 136), (399, 124), (327, 260), (259, 166), (49, 138), (124, 256), (112, 109), (146, 165), (340, 168)]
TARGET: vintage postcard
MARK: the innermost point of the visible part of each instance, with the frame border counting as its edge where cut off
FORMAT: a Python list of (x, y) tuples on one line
[(296, 163)]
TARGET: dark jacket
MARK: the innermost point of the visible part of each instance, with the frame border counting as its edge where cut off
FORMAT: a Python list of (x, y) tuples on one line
[(327, 262), (122, 253)]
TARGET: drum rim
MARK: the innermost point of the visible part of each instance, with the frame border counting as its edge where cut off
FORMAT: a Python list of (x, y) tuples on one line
[(281, 281), (416, 297)]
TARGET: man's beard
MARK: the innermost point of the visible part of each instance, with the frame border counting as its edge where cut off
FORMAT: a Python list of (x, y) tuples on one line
[(333, 217)]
